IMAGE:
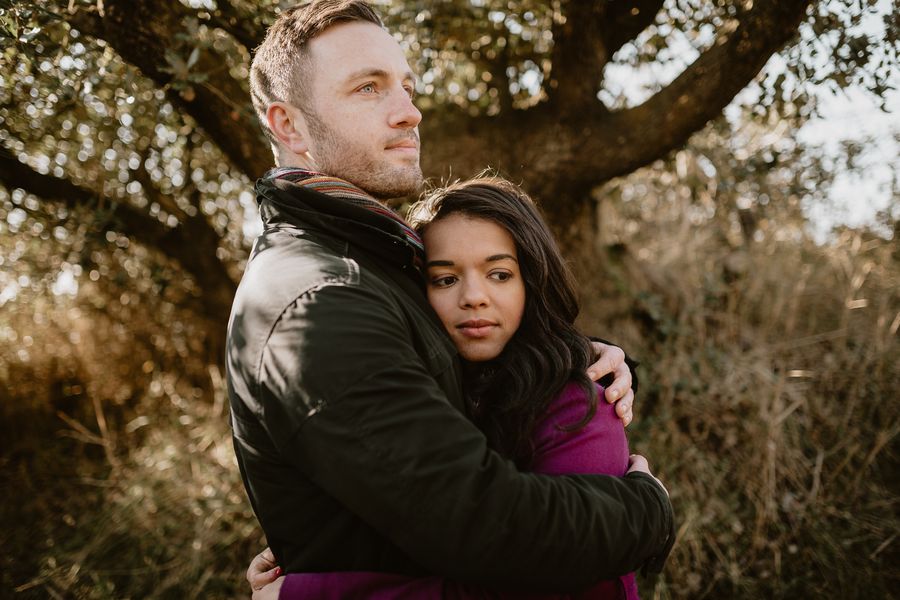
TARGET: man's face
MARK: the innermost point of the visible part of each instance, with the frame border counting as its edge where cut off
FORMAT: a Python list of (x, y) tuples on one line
[(363, 126)]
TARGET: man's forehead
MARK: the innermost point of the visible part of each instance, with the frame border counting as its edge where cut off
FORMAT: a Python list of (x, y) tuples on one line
[(350, 49)]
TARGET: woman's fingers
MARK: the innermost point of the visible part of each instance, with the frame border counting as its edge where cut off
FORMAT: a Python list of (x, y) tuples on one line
[(269, 592), (262, 569)]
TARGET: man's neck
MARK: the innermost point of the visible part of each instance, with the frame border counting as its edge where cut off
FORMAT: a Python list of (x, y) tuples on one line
[(301, 161), (297, 161)]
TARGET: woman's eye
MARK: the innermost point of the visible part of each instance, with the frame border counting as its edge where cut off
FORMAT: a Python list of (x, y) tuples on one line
[(411, 91), (501, 275), (369, 88), (445, 281)]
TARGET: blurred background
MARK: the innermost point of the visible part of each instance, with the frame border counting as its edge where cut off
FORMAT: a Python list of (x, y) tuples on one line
[(722, 175)]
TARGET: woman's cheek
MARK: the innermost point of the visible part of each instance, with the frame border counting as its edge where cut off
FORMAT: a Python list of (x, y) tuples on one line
[(440, 302)]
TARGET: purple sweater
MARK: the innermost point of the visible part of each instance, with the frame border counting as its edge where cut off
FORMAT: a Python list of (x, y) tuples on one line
[(598, 448)]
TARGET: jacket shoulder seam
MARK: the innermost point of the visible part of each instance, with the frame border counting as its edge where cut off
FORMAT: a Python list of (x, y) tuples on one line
[(350, 278)]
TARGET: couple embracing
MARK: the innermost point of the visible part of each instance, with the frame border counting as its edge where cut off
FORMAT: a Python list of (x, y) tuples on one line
[(410, 400)]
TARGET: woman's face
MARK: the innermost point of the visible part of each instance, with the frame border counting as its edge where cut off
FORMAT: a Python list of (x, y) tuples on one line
[(474, 283)]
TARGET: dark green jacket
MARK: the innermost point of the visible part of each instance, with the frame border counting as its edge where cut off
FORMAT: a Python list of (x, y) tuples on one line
[(351, 434)]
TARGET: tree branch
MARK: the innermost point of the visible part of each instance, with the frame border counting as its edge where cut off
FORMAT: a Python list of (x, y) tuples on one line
[(584, 40), (625, 20), (15, 174), (499, 78), (579, 55), (666, 120), (239, 25), (560, 160), (152, 191), (141, 31), (191, 244)]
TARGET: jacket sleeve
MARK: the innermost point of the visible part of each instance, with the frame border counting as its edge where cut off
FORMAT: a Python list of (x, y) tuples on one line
[(362, 417)]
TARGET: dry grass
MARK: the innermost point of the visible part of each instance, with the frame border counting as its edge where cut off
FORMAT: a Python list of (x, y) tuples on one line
[(165, 517), (769, 406)]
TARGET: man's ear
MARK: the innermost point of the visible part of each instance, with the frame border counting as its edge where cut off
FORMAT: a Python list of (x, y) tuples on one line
[(286, 122)]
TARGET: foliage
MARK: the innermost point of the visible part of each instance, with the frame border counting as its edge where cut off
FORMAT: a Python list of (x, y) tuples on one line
[(770, 378), (768, 403)]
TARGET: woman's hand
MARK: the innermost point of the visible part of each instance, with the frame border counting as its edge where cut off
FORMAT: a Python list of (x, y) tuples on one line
[(612, 360), (269, 591), (263, 572)]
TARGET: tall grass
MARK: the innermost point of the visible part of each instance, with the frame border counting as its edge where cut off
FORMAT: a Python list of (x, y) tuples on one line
[(768, 405), (163, 516)]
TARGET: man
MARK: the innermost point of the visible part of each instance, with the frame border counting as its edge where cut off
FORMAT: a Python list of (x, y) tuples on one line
[(348, 416)]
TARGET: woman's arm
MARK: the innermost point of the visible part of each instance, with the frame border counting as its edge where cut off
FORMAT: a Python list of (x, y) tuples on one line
[(268, 583), (598, 448)]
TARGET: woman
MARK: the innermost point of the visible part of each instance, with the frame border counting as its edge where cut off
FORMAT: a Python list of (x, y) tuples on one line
[(498, 282)]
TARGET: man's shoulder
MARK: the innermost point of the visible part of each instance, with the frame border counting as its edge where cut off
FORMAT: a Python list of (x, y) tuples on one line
[(300, 288), (289, 265), (293, 259), (291, 271)]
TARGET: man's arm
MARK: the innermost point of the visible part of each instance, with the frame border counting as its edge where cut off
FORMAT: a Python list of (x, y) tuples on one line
[(383, 440)]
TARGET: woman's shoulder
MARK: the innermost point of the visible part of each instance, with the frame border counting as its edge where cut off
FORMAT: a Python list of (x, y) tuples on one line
[(596, 446), (571, 405)]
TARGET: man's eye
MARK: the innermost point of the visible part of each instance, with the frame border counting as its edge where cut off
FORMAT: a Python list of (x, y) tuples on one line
[(369, 88), (411, 91)]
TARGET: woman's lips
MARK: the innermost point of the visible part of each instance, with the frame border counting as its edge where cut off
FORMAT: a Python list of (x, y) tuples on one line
[(476, 329)]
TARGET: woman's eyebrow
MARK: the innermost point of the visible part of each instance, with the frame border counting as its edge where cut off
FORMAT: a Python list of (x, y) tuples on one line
[(439, 263), (491, 258)]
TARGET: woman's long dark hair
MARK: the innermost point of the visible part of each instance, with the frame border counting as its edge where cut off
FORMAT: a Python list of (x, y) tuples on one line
[(511, 393)]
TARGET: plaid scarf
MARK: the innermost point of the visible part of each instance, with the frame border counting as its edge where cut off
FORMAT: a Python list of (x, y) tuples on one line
[(340, 188)]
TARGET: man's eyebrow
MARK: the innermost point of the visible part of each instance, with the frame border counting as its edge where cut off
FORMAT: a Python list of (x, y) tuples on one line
[(379, 73)]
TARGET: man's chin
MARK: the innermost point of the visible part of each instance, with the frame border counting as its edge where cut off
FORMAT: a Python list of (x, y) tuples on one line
[(398, 185), (382, 181)]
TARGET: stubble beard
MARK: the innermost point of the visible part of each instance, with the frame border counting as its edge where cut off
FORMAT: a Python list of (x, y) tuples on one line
[(340, 157)]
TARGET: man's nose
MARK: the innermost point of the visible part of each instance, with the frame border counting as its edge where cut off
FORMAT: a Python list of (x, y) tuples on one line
[(404, 113)]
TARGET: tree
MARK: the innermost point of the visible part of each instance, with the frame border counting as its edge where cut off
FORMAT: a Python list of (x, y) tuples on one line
[(140, 107), (127, 153)]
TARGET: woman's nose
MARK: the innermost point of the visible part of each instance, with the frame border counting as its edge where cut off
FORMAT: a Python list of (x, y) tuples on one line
[(473, 295)]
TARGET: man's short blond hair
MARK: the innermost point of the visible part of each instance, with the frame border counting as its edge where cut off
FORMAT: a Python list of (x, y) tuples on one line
[(280, 69)]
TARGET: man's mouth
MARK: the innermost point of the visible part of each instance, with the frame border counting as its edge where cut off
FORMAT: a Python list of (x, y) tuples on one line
[(404, 145)]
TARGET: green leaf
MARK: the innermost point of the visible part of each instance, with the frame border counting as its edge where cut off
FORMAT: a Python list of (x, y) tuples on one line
[(192, 59)]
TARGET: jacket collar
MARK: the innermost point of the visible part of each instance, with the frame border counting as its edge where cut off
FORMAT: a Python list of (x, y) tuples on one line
[(282, 201)]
